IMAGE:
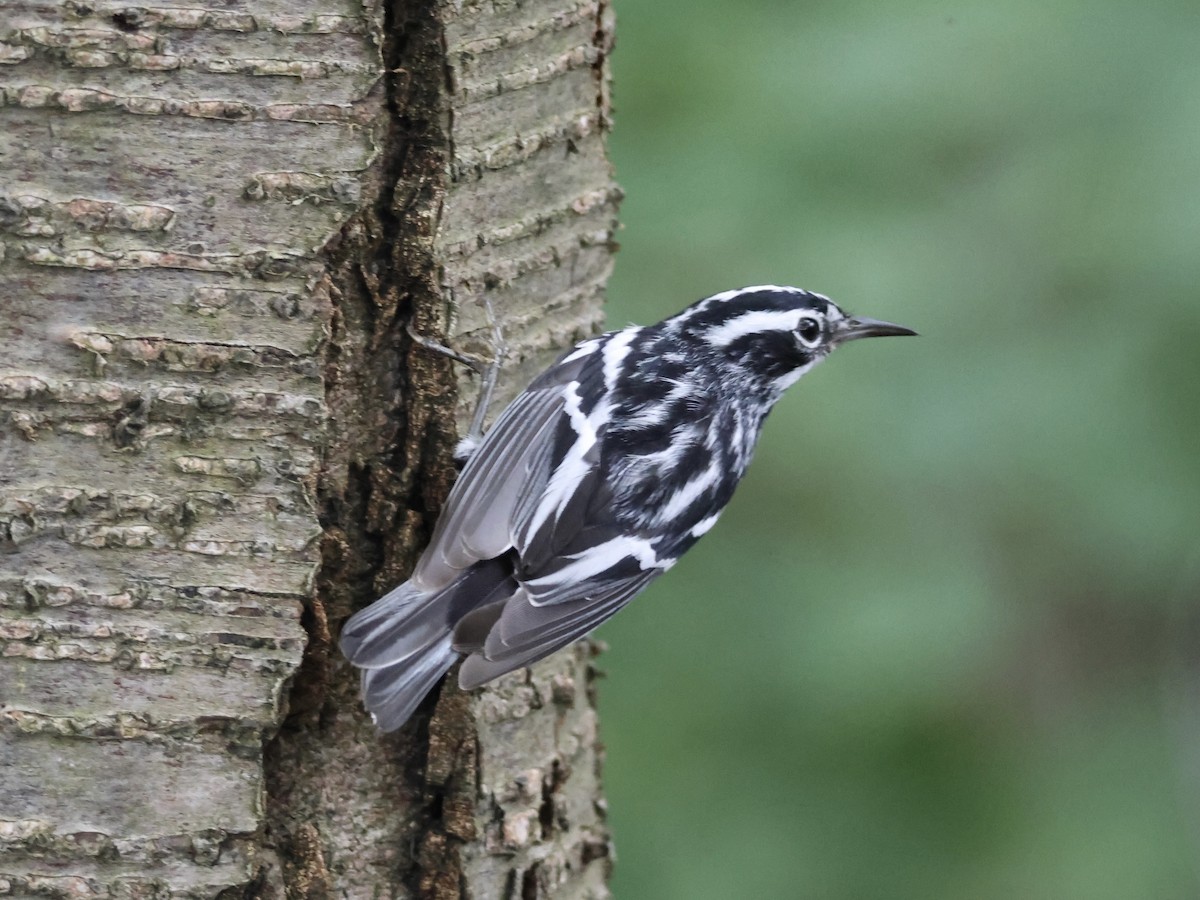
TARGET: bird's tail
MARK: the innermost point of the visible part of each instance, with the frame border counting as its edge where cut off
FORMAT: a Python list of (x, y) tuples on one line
[(402, 643)]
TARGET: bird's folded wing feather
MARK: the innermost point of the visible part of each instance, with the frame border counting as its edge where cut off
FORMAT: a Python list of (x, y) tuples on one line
[(525, 633), (535, 486), (511, 463)]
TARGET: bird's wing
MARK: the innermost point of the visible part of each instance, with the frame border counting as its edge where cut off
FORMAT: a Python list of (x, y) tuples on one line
[(512, 464), (522, 633), (601, 569), (536, 486)]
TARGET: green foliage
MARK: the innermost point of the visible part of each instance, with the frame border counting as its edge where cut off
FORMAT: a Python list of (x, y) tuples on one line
[(938, 647)]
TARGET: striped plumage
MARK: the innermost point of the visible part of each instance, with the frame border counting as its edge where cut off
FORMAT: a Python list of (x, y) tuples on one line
[(594, 481)]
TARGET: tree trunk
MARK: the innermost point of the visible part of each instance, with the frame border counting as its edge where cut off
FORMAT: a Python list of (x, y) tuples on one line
[(217, 439)]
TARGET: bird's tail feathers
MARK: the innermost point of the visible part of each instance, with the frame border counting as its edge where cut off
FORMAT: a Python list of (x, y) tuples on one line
[(402, 644), (392, 692), (404, 641), (396, 627)]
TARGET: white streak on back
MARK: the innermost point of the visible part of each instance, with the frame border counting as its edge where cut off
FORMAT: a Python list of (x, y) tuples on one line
[(585, 348), (573, 467), (594, 561), (615, 352), (704, 525), (687, 495), (657, 412)]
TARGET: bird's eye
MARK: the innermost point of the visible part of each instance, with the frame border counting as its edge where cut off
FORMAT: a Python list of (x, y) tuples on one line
[(809, 331)]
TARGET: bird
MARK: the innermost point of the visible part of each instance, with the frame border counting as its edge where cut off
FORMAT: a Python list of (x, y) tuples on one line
[(593, 481)]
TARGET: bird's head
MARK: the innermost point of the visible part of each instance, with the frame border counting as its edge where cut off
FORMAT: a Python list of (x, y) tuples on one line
[(775, 334)]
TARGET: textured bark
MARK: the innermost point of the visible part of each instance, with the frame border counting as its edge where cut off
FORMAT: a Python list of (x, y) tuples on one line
[(217, 439)]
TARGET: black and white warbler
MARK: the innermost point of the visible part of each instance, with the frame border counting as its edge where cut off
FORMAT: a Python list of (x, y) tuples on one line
[(593, 482)]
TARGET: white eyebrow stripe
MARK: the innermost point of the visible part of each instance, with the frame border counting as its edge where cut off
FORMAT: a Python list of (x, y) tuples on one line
[(753, 322)]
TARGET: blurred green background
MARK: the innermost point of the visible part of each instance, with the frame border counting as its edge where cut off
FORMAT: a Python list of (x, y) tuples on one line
[(943, 643)]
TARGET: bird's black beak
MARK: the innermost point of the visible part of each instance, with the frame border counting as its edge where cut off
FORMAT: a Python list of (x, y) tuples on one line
[(856, 327)]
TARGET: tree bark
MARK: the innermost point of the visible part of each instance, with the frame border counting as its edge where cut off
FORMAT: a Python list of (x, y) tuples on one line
[(217, 439)]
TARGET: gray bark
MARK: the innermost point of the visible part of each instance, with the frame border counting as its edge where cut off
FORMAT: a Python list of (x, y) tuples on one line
[(217, 439)]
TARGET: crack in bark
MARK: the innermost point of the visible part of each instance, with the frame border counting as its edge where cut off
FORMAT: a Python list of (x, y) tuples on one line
[(381, 484), (384, 478)]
